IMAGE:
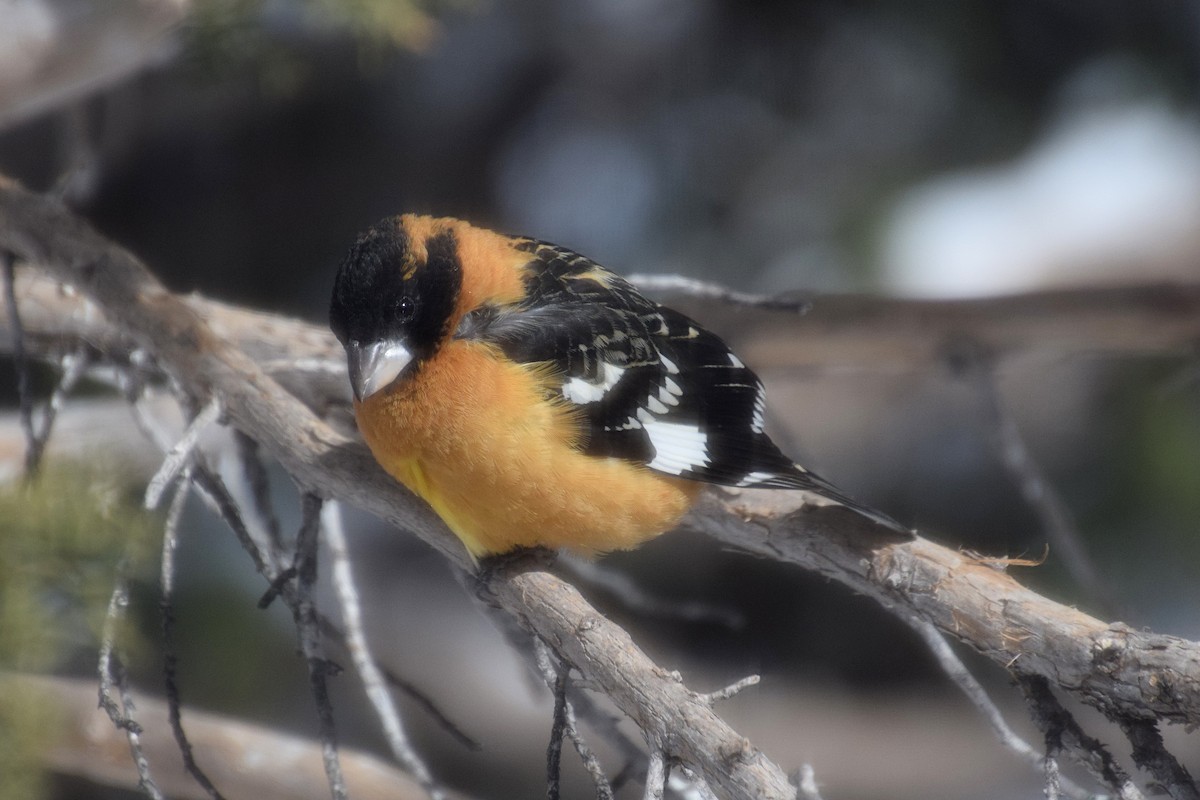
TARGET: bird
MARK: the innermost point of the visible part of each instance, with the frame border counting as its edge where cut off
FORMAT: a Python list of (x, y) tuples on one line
[(534, 398)]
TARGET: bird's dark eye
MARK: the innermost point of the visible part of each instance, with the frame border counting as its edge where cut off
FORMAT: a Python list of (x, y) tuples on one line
[(404, 309)]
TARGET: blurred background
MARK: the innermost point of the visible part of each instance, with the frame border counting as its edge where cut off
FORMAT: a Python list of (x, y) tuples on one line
[(916, 149)]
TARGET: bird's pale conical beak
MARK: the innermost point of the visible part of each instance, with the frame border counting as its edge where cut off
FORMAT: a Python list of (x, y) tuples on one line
[(373, 366)]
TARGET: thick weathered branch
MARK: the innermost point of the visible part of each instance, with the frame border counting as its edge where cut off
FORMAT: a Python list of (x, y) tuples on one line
[(1127, 674), (1121, 671)]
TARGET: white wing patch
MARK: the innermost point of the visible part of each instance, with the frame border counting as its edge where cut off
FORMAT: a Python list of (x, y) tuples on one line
[(678, 447), (581, 392), (755, 478), (655, 406), (758, 421), (669, 393)]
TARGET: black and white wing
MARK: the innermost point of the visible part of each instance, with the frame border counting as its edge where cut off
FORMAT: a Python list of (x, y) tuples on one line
[(651, 385)]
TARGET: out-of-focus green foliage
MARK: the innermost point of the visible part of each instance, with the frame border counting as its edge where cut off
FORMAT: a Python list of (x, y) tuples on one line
[(27, 728), (224, 38), (407, 23), (64, 537), (238, 28), (1171, 452)]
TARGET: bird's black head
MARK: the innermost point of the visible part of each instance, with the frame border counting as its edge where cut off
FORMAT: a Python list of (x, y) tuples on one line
[(393, 299)]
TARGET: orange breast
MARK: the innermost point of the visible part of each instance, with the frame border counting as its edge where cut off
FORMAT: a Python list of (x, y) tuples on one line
[(473, 435)]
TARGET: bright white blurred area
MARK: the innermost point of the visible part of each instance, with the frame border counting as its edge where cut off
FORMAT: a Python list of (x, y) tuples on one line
[(1109, 194)]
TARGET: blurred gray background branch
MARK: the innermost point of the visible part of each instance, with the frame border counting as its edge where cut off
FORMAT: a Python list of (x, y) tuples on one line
[(57, 52)]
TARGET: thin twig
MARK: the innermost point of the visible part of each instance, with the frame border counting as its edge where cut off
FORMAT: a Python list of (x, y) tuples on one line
[(117, 602), (604, 724), (80, 175), (281, 584), (580, 705), (170, 660), (1063, 733), (74, 367), (240, 478), (557, 732), (180, 454), (591, 763), (715, 291), (260, 487), (220, 499), (1053, 790), (217, 495), (656, 775), (304, 611), (20, 362), (553, 674), (1150, 755), (211, 487), (364, 660), (807, 785), (685, 783), (133, 388), (112, 675), (957, 671), (634, 597), (134, 733), (423, 700), (732, 689), (1040, 495)]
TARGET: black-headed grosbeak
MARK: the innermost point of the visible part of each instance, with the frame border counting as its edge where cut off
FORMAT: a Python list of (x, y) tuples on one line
[(532, 397)]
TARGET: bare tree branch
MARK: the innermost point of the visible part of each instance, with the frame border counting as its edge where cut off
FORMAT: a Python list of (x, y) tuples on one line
[(1063, 734), (1053, 790), (957, 671), (305, 612), (656, 775), (260, 487), (557, 733), (20, 360), (557, 678), (1150, 754), (180, 454), (166, 607), (361, 655), (112, 675), (1119, 670), (1039, 493)]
